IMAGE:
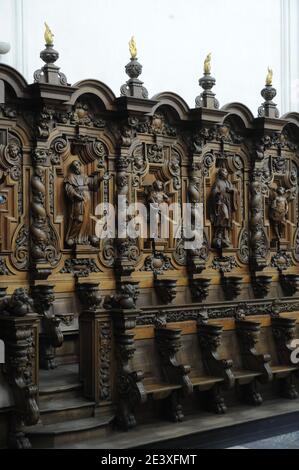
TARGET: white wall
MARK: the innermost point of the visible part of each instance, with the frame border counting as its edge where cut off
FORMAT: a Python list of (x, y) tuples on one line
[(173, 37)]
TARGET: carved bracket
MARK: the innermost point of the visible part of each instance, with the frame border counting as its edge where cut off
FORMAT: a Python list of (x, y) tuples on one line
[(231, 286), (199, 288), (261, 285), (289, 284), (166, 290), (209, 337), (169, 343), (248, 333), (129, 382)]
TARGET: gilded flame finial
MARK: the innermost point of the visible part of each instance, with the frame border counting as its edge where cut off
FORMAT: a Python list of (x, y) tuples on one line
[(269, 78), (133, 48), (207, 64), (48, 35)]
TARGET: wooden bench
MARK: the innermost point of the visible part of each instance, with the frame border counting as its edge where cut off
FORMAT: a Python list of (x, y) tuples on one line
[(276, 335), (239, 339), (164, 378)]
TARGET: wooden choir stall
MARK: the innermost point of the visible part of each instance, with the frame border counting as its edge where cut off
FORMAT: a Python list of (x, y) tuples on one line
[(104, 333)]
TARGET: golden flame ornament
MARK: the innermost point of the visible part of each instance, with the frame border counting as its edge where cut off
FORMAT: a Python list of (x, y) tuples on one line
[(207, 64), (269, 78), (48, 35), (133, 48)]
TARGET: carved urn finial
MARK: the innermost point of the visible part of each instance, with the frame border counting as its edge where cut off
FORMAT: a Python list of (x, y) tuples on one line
[(49, 73), (207, 82), (269, 108), (133, 87)]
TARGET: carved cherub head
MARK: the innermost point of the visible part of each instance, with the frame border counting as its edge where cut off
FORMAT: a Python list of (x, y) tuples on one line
[(13, 150)]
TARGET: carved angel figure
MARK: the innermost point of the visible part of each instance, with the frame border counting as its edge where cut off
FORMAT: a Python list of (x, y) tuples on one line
[(77, 188), (223, 203), (279, 208)]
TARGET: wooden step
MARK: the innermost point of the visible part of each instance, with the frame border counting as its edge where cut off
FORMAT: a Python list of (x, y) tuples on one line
[(52, 435), (59, 383), (66, 409)]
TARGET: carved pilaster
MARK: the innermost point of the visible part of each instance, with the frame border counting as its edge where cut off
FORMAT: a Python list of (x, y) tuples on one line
[(197, 257), (43, 240), (126, 247), (51, 335), (259, 242), (95, 345), (129, 384), (19, 331)]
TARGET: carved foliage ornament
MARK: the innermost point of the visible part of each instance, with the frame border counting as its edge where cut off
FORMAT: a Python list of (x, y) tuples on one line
[(157, 263), (156, 125), (81, 267)]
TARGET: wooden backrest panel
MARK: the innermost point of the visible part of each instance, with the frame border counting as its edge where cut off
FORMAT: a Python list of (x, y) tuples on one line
[(147, 359), (229, 348), (190, 354), (266, 345)]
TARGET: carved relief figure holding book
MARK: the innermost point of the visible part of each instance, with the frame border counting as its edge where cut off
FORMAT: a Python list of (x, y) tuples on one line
[(223, 203), (77, 188)]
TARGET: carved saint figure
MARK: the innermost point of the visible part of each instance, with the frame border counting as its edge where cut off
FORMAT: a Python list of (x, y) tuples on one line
[(223, 205), (77, 188), (156, 197), (279, 208)]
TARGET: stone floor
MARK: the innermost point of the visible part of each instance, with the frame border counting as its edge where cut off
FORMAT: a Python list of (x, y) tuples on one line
[(242, 427), (285, 441)]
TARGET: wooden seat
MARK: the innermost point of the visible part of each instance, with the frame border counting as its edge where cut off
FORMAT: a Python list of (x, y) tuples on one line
[(283, 369), (276, 336), (245, 374), (208, 372), (163, 376), (154, 388), (249, 367), (205, 382)]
